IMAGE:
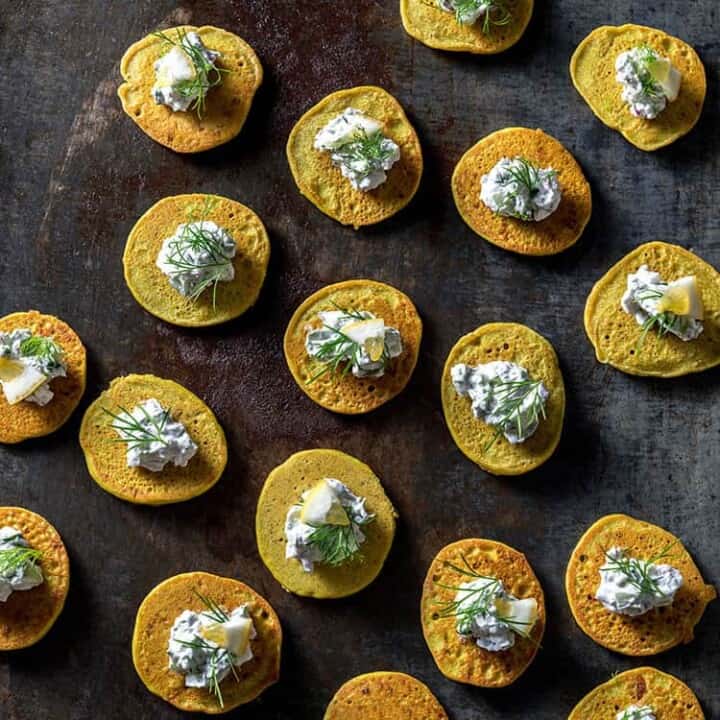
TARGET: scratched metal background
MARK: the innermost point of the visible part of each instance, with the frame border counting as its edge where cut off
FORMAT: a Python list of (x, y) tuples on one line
[(76, 173)]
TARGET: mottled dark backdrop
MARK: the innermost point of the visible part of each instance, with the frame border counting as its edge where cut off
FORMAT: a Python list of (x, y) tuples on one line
[(77, 173)]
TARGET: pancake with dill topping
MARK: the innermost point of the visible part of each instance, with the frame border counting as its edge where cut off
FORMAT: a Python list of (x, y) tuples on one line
[(656, 630)]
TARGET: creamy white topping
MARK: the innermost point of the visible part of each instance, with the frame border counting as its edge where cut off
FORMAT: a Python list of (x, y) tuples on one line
[(153, 438), (636, 712), (516, 188), (194, 652), (16, 573), (358, 147), (503, 395), (355, 341), (645, 288), (197, 256), (298, 533), (633, 587)]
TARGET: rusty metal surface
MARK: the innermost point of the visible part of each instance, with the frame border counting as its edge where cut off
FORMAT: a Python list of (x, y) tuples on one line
[(77, 173)]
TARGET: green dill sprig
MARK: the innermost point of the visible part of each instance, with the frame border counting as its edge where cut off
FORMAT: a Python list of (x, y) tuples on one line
[(16, 558), (365, 147), (526, 174), (214, 611), (637, 571), (217, 653), (496, 13), (646, 57), (134, 432), (337, 544), (207, 74), (43, 348), (663, 322)]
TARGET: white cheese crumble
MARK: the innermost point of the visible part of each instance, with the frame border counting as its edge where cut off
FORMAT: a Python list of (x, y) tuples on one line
[(645, 289), (299, 534), (648, 81), (153, 438), (16, 575), (467, 13), (197, 256), (503, 395), (358, 147), (633, 587), (359, 338), (636, 712), (194, 650), (517, 188)]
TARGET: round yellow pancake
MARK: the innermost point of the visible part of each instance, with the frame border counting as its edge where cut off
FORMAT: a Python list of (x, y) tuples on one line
[(617, 337), (27, 420), (151, 287), (655, 631), (462, 660), (513, 343), (345, 393), (106, 457), (27, 615), (155, 618), (323, 184), (549, 236), (592, 69), (431, 25), (227, 105), (384, 696), (670, 698), (284, 487)]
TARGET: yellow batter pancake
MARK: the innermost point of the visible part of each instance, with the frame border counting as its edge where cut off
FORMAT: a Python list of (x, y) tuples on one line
[(345, 393), (592, 69), (618, 339), (106, 458), (655, 631), (323, 184), (384, 696), (462, 660), (513, 343), (155, 618), (433, 26), (547, 237), (151, 287), (284, 487), (27, 420), (227, 105), (27, 615), (670, 698)]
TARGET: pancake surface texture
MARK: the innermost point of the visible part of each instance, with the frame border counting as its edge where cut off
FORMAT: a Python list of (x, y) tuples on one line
[(323, 184), (617, 337), (284, 487), (516, 343), (151, 287), (657, 630), (461, 659), (27, 420), (592, 69), (106, 458), (155, 618), (345, 393), (227, 105), (27, 615), (670, 698), (438, 29), (384, 696), (547, 237)]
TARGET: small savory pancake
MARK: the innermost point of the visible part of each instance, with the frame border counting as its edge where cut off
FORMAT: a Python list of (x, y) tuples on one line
[(433, 26), (516, 343), (657, 630), (151, 287), (547, 237), (592, 69), (153, 623), (27, 615), (27, 420), (284, 487), (618, 338), (384, 696), (461, 659), (344, 393), (227, 105), (106, 458), (670, 698), (323, 184)]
